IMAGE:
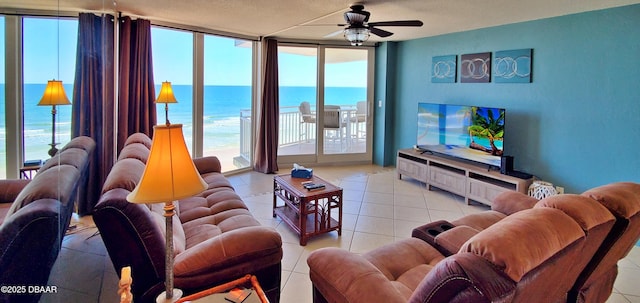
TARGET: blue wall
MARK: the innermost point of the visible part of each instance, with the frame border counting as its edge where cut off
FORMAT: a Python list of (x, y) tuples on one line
[(576, 125), (383, 114)]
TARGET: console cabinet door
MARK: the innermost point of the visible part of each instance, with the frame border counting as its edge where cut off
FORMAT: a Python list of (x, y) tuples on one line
[(412, 169), (448, 180), (483, 192)]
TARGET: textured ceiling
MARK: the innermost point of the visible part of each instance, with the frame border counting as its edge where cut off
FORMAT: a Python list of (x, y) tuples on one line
[(315, 19)]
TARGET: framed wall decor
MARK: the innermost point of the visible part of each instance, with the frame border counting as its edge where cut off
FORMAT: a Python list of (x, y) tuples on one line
[(475, 68), (444, 69), (512, 66)]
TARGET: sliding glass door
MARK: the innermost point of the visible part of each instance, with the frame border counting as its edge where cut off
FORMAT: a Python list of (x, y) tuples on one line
[(324, 104), (297, 74), (345, 92)]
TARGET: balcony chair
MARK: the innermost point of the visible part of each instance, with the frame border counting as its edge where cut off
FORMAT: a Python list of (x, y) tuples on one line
[(333, 122), (307, 118), (360, 117)]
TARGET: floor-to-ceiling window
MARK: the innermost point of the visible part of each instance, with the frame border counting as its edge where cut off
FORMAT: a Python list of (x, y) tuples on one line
[(49, 52), (173, 62), (227, 101), (212, 80)]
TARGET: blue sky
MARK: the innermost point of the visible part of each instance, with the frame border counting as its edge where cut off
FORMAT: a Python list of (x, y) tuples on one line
[(225, 63)]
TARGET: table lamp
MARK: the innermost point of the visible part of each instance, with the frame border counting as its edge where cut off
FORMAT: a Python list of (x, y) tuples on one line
[(168, 176), (54, 95)]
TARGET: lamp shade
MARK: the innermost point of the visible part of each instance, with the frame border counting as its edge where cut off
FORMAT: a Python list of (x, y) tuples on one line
[(356, 35), (170, 173), (54, 94), (166, 94)]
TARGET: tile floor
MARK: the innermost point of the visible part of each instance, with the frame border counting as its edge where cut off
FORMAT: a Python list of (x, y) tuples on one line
[(378, 209)]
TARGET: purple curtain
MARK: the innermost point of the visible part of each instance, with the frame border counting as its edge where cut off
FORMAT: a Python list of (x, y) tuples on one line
[(136, 107), (93, 100), (266, 151)]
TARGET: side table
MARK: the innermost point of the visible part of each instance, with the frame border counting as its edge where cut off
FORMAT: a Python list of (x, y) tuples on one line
[(217, 294), (307, 212), (27, 172)]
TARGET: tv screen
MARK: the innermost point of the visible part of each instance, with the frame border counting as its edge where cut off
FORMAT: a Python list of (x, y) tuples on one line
[(469, 132)]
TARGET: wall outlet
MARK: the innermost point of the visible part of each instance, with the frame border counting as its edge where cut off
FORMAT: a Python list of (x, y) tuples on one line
[(560, 190), (379, 103)]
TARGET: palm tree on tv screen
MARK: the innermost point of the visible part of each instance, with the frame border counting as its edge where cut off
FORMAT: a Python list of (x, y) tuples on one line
[(485, 125)]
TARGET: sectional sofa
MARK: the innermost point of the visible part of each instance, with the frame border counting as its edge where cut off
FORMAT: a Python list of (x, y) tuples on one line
[(216, 239), (34, 217), (560, 249)]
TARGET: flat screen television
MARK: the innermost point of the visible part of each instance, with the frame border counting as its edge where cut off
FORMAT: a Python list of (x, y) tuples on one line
[(468, 132)]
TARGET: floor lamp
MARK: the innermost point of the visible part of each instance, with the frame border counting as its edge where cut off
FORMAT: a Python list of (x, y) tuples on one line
[(54, 95), (166, 96), (168, 176)]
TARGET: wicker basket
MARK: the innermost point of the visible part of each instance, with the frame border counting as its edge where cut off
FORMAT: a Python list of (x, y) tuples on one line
[(541, 190)]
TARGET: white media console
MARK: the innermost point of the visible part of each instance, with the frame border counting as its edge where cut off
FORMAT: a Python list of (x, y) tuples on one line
[(472, 181)]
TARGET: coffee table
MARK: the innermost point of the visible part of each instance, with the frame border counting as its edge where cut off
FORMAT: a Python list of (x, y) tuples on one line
[(307, 212)]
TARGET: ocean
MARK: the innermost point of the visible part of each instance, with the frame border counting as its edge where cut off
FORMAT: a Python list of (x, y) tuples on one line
[(222, 108)]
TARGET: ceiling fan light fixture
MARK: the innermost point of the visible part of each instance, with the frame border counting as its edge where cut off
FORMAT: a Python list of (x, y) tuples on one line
[(356, 35)]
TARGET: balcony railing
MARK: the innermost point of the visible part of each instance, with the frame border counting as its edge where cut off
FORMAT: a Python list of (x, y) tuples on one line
[(291, 130)]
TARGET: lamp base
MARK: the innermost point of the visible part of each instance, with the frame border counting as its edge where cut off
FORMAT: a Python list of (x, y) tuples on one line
[(162, 298), (52, 152)]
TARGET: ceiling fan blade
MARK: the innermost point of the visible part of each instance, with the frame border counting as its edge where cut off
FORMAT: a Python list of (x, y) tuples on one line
[(397, 23), (334, 33), (380, 32)]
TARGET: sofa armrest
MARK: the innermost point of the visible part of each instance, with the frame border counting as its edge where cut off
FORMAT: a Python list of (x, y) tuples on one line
[(10, 189), (132, 238), (450, 241), (242, 245), (464, 277), (210, 164), (510, 202), (341, 276), (29, 245)]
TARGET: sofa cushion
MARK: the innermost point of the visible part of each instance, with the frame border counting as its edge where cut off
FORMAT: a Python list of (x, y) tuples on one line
[(405, 263), (125, 174), (510, 202), (242, 245), (211, 201), (65, 176), (205, 165), (75, 157), (136, 150), (620, 198), (216, 180), (507, 243), (451, 240), (81, 142), (583, 210), (138, 138), (481, 220)]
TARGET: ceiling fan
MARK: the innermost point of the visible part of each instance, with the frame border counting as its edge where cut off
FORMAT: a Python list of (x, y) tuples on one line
[(358, 27)]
